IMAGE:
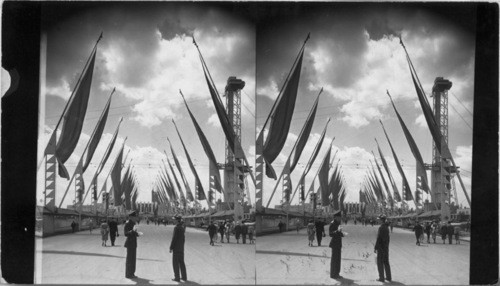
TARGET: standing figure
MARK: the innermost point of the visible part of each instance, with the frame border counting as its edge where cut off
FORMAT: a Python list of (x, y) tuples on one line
[(434, 230), (391, 224), (311, 231), (451, 231), (130, 230), (428, 231), (91, 225), (222, 230), (444, 231), (251, 230), (336, 244), (212, 230), (418, 229), (297, 224), (229, 229), (73, 226), (320, 230), (457, 234), (382, 251), (104, 232), (177, 249), (237, 232), (244, 232), (113, 231)]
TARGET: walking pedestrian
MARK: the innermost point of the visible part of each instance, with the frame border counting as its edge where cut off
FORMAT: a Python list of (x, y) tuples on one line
[(244, 232), (428, 231), (336, 245), (229, 229), (280, 226), (467, 226), (434, 231), (457, 234), (310, 232), (212, 230), (73, 226), (91, 225), (382, 251), (297, 224), (450, 232), (104, 233), (237, 232), (113, 231), (177, 250), (391, 224), (320, 230), (130, 230), (251, 230), (222, 230), (418, 229), (444, 231)]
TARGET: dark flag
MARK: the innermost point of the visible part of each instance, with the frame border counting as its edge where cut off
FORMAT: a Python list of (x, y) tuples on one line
[(96, 135), (323, 178), (302, 189), (110, 148), (406, 187), (281, 118), (116, 178), (189, 194), (287, 183), (397, 197), (73, 118)]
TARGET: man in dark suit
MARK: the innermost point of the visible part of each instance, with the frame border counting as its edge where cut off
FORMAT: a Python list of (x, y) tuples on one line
[(382, 251), (320, 230), (244, 232), (177, 248), (113, 231), (336, 244), (131, 233)]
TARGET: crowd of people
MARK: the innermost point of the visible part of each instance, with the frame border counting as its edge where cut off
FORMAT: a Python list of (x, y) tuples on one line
[(228, 228), (432, 229)]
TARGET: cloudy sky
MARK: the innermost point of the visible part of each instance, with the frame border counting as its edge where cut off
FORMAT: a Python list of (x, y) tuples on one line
[(355, 55), (148, 55)]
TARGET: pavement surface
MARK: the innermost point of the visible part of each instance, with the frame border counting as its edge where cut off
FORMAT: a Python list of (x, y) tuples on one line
[(286, 259), (79, 258)]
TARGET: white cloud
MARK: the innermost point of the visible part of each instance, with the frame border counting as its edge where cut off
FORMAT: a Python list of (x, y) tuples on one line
[(270, 90), (214, 121), (420, 121), (62, 90)]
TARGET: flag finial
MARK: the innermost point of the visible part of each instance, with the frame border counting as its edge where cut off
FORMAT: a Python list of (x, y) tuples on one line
[(100, 37), (401, 41), (194, 42), (307, 38)]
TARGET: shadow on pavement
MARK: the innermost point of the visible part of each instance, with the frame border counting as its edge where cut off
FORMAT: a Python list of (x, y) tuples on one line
[(345, 281), (141, 281), (395, 283), (92, 254), (289, 253)]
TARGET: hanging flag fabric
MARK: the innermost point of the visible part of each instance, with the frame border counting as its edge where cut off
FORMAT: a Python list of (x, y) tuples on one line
[(316, 150), (116, 178), (177, 184), (302, 189), (287, 183), (406, 187), (189, 194), (386, 187), (333, 188), (421, 173), (397, 197), (200, 193), (214, 180), (96, 135), (281, 117), (305, 133), (73, 118), (323, 179), (207, 148), (79, 184), (110, 148)]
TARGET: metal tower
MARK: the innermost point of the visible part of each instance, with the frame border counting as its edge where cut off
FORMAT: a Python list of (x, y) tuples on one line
[(441, 170), (234, 177)]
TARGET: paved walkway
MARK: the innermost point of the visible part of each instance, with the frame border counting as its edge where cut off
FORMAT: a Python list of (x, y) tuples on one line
[(286, 258), (80, 259)]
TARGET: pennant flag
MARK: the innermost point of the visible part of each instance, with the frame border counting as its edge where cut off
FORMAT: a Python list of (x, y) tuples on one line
[(397, 197), (79, 184), (189, 194), (323, 178), (302, 189), (116, 179), (110, 148), (406, 187), (281, 117), (287, 183), (73, 118), (333, 189), (421, 173), (305, 133), (176, 180), (96, 135), (200, 193)]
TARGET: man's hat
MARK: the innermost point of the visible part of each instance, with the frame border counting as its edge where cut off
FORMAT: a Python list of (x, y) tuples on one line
[(132, 213), (382, 217), (337, 213), (177, 217)]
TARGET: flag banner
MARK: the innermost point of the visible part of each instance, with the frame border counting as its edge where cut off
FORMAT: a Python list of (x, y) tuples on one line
[(302, 189), (73, 118), (189, 194), (316, 150), (79, 184), (94, 188), (333, 189), (397, 197), (287, 183), (177, 184), (215, 183), (200, 193), (116, 178), (110, 148), (406, 187), (281, 116), (305, 133), (386, 187), (414, 150), (323, 179), (96, 135), (259, 171)]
